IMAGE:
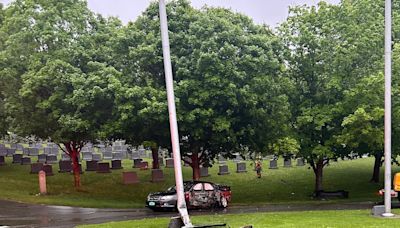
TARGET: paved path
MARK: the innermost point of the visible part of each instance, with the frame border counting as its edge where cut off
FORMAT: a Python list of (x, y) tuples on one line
[(16, 214)]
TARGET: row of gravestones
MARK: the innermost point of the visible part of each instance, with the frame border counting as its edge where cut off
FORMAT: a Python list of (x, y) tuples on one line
[(241, 166), (157, 175), (273, 163), (20, 159), (51, 159), (28, 151), (116, 152)]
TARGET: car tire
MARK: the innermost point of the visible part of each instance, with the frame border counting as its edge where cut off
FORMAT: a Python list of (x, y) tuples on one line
[(224, 202)]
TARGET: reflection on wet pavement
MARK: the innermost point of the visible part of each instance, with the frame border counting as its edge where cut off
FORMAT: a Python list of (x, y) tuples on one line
[(29, 215)]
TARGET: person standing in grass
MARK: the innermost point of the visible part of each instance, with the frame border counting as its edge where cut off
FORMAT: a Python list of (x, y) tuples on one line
[(258, 169)]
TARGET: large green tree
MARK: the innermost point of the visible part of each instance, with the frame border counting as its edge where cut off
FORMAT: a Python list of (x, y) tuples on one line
[(363, 129), (227, 74), (56, 88), (363, 103), (329, 48), (142, 106)]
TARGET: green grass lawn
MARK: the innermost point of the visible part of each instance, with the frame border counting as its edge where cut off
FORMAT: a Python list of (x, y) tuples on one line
[(284, 185), (351, 218)]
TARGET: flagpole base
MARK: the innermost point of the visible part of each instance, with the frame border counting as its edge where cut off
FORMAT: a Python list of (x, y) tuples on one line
[(387, 215)]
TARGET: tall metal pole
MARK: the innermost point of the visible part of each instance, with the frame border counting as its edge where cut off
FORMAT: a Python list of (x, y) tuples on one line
[(388, 107), (172, 116)]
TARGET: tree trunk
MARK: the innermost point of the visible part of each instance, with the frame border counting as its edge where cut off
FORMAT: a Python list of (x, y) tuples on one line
[(377, 166), (154, 154), (73, 153), (195, 166), (318, 171)]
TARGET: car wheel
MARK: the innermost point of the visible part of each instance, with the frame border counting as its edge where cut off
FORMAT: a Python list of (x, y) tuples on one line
[(224, 202)]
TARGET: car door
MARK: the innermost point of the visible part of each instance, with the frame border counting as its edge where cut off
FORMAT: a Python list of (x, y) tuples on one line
[(210, 192), (198, 196)]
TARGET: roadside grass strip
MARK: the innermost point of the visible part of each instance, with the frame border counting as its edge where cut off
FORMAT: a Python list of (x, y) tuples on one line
[(331, 219)]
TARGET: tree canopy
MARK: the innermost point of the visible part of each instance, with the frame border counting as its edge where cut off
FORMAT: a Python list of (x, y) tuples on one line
[(56, 89), (312, 88)]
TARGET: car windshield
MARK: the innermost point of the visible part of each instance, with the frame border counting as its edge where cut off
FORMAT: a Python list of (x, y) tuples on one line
[(186, 187)]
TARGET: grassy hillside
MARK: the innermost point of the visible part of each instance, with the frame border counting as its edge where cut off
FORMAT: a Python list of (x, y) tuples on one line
[(283, 185)]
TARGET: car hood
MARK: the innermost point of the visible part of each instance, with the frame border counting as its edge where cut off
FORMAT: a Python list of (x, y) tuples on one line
[(162, 193)]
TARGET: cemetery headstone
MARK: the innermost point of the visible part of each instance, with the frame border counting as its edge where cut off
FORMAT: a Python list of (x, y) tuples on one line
[(3, 151), (48, 169), (117, 156), (47, 150), (144, 165), (36, 167), (20, 147), (157, 175), (51, 159), (17, 158), (65, 157), (287, 162), (116, 164), (107, 155), (103, 167), (91, 165), (273, 164), (87, 149), (65, 166), (10, 152), (223, 170), (130, 178), (96, 157), (117, 148), (33, 151), (26, 161), (169, 163), (54, 151), (106, 149), (25, 151), (204, 172), (241, 167), (42, 158), (135, 155), (38, 145), (300, 162), (137, 163), (87, 156), (100, 145), (51, 145)]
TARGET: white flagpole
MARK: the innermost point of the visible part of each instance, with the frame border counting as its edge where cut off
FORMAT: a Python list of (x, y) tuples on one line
[(181, 204), (388, 107)]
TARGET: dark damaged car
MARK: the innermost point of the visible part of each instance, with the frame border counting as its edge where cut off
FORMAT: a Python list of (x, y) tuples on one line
[(198, 194)]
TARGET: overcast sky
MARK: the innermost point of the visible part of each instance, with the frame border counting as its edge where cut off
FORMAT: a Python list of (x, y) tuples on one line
[(270, 12)]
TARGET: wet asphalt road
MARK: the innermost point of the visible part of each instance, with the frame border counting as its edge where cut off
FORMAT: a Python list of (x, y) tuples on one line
[(16, 214)]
